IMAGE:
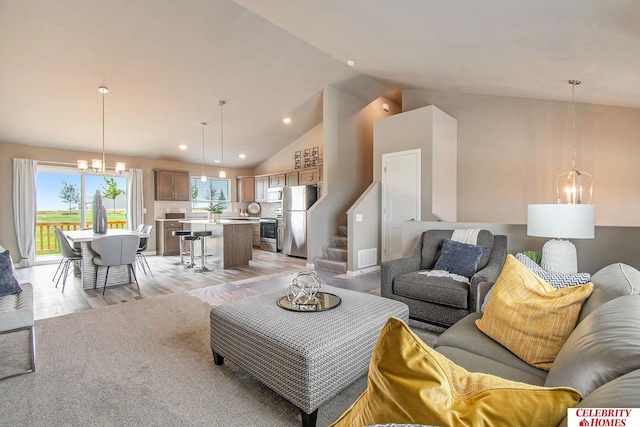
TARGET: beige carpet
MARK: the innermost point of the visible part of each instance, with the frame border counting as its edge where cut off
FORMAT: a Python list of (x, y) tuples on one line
[(143, 363)]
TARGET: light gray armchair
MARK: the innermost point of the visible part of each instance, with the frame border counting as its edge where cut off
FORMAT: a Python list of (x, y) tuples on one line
[(440, 300)]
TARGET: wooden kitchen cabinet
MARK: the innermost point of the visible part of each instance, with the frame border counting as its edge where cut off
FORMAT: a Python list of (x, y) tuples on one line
[(171, 185), (262, 184), (246, 189), (255, 235), (309, 176), (291, 179), (166, 242), (277, 180)]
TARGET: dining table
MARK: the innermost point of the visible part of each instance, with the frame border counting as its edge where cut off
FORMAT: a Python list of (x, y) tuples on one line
[(118, 275)]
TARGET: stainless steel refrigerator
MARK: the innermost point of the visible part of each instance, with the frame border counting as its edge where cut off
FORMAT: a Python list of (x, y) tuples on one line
[(295, 202)]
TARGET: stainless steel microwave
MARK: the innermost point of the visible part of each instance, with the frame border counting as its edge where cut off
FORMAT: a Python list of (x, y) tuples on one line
[(274, 194)]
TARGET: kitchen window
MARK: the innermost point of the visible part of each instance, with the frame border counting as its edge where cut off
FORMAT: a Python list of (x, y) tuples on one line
[(207, 194)]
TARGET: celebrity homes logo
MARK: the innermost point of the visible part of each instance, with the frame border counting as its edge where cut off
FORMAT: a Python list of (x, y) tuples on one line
[(603, 417)]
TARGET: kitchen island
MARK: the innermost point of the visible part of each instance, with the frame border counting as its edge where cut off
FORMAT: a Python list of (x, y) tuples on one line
[(230, 244)]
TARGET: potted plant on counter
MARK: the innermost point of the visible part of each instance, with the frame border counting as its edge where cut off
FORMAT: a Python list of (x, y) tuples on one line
[(214, 212)]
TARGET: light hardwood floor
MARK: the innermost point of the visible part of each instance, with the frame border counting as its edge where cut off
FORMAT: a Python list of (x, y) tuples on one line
[(167, 278)]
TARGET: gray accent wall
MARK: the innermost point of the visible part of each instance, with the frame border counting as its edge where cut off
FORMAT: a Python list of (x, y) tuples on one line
[(611, 244)]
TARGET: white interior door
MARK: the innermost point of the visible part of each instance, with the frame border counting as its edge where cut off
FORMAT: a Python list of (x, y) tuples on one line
[(400, 198)]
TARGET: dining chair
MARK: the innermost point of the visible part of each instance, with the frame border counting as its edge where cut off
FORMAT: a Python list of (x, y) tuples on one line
[(144, 242), (115, 250), (70, 255)]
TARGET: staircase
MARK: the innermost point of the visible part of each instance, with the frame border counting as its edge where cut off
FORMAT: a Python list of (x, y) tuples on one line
[(335, 255)]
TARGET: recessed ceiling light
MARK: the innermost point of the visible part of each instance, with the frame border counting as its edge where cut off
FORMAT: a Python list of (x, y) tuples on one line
[(242, 155), (182, 147), (216, 161), (351, 62), (286, 120)]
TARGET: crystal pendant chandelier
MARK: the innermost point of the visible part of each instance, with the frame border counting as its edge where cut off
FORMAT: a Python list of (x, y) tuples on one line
[(574, 187)]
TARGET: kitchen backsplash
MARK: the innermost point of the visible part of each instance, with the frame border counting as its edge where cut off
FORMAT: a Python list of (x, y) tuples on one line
[(270, 210), (160, 208)]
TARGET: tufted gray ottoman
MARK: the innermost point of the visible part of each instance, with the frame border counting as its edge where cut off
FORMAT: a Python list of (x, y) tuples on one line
[(309, 357), (16, 314)]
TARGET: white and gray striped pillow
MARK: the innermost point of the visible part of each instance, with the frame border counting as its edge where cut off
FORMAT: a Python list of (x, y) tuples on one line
[(557, 280)]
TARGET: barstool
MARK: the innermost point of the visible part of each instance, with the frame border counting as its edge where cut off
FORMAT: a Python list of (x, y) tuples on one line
[(191, 239), (201, 235), (181, 233)]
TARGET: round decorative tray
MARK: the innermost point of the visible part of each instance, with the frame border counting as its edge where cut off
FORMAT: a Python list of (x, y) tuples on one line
[(322, 301)]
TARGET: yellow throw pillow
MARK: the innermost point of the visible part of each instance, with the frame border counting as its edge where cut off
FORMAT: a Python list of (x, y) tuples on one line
[(529, 316), (411, 383)]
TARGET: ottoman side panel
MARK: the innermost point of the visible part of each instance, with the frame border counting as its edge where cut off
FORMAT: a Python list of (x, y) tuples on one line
[(305, 357), (269, 359), (336, 366)]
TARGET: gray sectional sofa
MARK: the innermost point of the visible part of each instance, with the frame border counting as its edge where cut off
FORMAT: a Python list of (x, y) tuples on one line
[(601, 357)]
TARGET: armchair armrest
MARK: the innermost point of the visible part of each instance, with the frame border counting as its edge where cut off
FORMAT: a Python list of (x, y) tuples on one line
[(483, 290), (490, 272), (390, 269)]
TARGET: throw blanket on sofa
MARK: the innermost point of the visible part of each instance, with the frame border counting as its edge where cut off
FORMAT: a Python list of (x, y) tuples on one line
[(443, 273), (467, 235)]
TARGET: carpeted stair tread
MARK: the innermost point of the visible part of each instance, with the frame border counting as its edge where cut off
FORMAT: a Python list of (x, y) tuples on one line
[(339, 241), (334, 252), (342, 230), (329, 264)]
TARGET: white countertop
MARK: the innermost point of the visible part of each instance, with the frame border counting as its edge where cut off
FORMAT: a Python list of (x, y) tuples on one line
[(223, 221), (89, 235), (250, 219)]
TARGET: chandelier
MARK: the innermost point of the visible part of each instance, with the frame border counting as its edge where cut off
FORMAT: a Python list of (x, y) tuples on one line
[(99, 165), (203, 177), (222, 173), (574, 187)]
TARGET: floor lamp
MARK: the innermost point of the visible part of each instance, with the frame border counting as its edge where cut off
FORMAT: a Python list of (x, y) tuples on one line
[(560, 221)]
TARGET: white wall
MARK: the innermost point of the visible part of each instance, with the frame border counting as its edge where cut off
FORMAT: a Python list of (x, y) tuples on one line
[(434, 133), (511, 149), (284, 160)]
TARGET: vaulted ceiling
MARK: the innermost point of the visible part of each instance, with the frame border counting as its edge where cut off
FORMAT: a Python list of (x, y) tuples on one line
[(168, 63)]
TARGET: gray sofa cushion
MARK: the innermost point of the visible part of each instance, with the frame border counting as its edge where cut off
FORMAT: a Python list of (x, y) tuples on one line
[(619, 393), (474, 363), (604, 346), (465, 335), (16, 311), (439, 290), (432, 241), (610, 282)]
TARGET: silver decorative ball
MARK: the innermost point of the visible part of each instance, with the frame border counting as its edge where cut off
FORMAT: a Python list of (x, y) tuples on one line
[(303, 288)]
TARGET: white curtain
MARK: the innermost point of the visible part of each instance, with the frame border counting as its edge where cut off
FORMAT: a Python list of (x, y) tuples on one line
[(135, 201), (25, 207)]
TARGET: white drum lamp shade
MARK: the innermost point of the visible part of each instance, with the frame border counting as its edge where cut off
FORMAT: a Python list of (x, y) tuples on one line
[(560, 221)]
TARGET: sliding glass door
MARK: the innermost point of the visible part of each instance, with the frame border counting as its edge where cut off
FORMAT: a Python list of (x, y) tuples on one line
[(65, 200)]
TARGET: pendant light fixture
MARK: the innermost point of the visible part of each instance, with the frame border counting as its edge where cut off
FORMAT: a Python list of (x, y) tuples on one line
[(571, 217), (99, 165), (574, 187), (222, 173), (203, 177)]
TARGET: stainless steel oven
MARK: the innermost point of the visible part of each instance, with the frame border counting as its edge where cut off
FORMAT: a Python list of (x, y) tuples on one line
[(269, 234)]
